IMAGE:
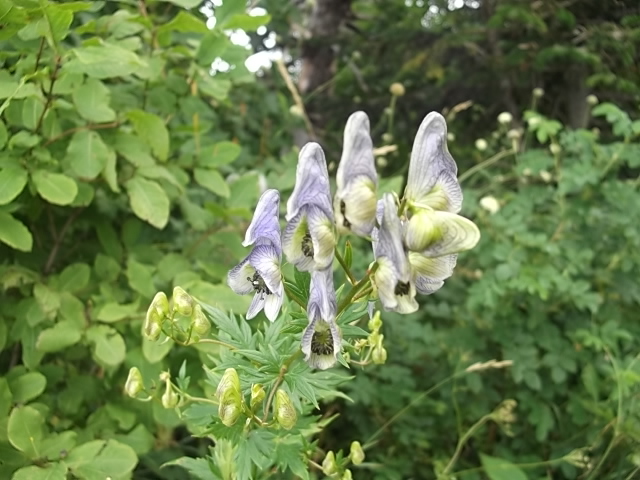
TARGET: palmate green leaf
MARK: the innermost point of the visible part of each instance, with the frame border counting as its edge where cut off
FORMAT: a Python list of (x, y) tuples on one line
[(55, 188), (100, 459), (92, 101), (107, 60), (238, 331), (27, 387), (152, 130), (148, 201), (199, 468), (14, 233), (212, 181), (12, 182), (62, 335), (53, 471), (500, 469), (289, 454), (87, 154), (25, 430), (256, 448)]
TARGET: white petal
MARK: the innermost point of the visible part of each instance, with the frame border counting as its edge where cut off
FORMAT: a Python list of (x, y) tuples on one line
[(312, 182), (256, 306), (323, 237), (272, 305), (264, 224), (427, 286), (457, 235), (435, 268), (429, 157), (266, 261), (357, 152), (292, 238), (238, 277), (355, 206), (445, 194), (389, 242), (322, 294)]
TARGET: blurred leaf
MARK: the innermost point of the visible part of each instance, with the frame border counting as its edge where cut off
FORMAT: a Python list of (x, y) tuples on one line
[(14, 233), (92, 101), (55, 188), (104, 61), (152, 131), (148, 201), (100, 459), (53, 471), (25, 430), (62, 335), (27, 387), (499, 469), (212, 181), (12, 182)]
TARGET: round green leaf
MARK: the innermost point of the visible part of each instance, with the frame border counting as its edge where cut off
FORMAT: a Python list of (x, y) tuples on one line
[(25, 430), (12, 182), (53, 471), (148, 201), (152, 130), (100, 459), (92, 101), (55, 188), (500, 469), (212, 181), (27, 387), (74, 278), (60, 336), (87, 154), (14, 233)]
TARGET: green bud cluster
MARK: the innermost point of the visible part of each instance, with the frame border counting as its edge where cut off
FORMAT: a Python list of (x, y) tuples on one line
[(375, 339)]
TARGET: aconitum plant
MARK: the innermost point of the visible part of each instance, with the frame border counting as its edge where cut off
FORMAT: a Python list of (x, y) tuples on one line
[(256, 374)]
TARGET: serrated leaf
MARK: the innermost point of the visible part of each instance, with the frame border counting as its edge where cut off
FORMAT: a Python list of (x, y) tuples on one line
[(14, 233), (212, 181), (152, 130), (148, 201), (55, 188), (87, 154), (92, 101), (12, 182)]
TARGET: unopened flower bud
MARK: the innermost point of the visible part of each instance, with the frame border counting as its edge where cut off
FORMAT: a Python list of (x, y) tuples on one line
[(169, 397), (527, 172), (505, 412), (329, 465), (538, 92), (422, 230), (199, 322), (296, 111), (229, 382), (397, 89), (375, 323), (379, 355), (285, 413), (356, 55), (533, 121), (504, 118), (382, 162), (356, 454), (555, 148), (161, 304), (514, 134), (592, 100), (347, 475), (578, 458), (451, 137), (490, 204), (230, 407), (481, 144), (387, 137), (134, 384), (545, 176), (257, 395), (375, 338), (182, 302), (153, 324)]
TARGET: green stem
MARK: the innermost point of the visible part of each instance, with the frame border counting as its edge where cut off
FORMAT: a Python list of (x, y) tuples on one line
[(345, 267), (487, 163), (356, 288), (463, 441), (192, 399), (283, 370), (215, 342), (294, 297)]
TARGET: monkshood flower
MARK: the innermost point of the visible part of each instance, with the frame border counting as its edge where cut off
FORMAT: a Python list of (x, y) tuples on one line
[(356, 179), (260, 271), (309, 238), (434, 233), (321, 340), (392, 277)]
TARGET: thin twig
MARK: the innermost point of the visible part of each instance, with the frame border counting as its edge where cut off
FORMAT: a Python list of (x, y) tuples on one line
[(296, 96), (58, 241), (53, 78), (91, 126)]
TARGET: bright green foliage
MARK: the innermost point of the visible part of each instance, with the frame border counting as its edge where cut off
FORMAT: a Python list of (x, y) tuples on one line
[(114, 158)]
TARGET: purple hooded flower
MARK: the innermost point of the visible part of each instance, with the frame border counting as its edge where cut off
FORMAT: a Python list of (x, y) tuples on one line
[(309, 238), (260, 271)]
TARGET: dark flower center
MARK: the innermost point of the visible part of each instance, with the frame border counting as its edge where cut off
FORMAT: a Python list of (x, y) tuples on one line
[(322, 343), (402, 288), (307, 245), (258, 284), (343, 208)]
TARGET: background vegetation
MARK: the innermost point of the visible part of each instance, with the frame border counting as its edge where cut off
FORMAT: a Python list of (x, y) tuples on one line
[(128, 165)]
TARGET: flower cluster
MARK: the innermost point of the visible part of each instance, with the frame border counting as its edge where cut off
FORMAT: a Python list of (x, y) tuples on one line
[(415, 239)]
